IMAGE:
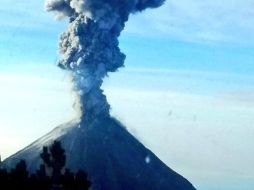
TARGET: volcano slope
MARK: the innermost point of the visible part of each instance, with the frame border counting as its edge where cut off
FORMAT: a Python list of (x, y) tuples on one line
[(111, 156)]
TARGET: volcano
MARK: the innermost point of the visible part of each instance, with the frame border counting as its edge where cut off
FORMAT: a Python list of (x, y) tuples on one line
[(96, 143), (111, 156)]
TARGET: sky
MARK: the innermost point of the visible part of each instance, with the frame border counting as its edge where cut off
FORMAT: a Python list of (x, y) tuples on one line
[(186, 90)]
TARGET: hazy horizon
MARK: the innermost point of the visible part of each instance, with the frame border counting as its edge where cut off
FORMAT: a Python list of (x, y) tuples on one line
[(186, 90)]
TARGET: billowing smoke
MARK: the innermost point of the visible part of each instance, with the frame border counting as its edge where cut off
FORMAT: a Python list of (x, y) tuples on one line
[(89, 46)]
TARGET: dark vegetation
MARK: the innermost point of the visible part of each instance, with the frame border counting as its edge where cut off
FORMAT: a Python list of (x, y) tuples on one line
[(52, 174)]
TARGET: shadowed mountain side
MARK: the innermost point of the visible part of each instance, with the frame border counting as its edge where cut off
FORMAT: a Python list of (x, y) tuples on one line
[(110, 155)]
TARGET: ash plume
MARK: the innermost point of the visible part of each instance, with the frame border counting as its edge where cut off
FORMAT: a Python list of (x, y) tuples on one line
[(89, 47)]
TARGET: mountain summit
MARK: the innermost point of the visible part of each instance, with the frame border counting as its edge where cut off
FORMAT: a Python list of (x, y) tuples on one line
[(110, 155)]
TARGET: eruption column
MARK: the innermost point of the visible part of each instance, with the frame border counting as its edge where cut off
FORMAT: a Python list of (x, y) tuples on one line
[(89, 47)]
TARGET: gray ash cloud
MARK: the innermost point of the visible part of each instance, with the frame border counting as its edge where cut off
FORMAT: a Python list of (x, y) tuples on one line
[(89, 48)]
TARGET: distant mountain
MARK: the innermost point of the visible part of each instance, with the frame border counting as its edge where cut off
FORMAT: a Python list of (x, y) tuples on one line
[(110, 155)]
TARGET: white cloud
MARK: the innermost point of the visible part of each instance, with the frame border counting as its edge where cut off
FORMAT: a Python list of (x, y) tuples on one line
[(183, 81), (188, 20), (31, 105), (28, 16), (205, 129), (206, 139), (193, 133), (199, 20)]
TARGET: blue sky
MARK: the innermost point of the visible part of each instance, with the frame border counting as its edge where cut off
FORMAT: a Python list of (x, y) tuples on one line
[(188, 79)]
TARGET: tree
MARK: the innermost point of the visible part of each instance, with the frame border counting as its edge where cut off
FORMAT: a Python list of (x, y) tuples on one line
[(20, 171), (19, 176), (54, 159), (4, 177), (82, 181), (52, 174)]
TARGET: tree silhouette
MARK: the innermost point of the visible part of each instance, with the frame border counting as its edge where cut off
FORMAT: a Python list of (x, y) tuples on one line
[(52, 174), (19, 175), (4, 177), (82, 180), (55, 158)]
